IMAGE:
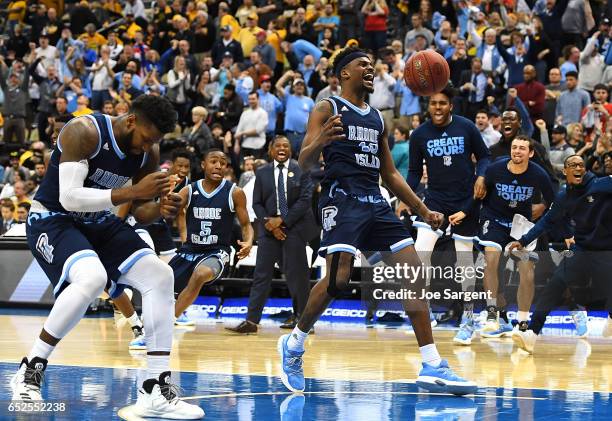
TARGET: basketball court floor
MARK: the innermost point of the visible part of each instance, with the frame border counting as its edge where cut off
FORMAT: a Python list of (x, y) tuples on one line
[(353, 373)]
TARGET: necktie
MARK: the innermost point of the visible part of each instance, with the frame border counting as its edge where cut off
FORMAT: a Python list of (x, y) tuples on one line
[(474, 92), (282, 199)]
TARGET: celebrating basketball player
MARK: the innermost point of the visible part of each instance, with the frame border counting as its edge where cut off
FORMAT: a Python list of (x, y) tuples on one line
[(352, 137), (80, 244), (446, 144), (511, 184)]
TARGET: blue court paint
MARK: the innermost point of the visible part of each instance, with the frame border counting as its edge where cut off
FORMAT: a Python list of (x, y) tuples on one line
[(98, 393)]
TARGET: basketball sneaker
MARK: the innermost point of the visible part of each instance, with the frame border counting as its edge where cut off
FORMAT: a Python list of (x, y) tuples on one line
[(183, 320), (138, 343), (580, 320), (525, 340), (292, 373), (505, 329), (442, 379), (607, 330), (432, 318), (28, 379), (159, 399), (492, 323), (466, 331)]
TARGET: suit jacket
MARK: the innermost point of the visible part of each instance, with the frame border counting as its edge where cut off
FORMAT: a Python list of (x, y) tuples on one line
[(299, 198), (466, 76)]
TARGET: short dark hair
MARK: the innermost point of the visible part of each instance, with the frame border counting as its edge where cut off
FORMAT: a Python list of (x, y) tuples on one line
[(567, 51), (230, 87), (525, 139), (64, 118), (482, 111), (571, 73), (24, 205), (254, 93), (213, 150), (181, 153), (403, 130), (157, 110), (276, 139), (8, 204), (571, 156), (600, 86)]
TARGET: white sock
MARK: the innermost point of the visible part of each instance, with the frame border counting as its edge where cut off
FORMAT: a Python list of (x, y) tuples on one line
[(157, 364), (522, 316), (429, 354), (41, 349), (134, 321), (296, 340), (492, 302)]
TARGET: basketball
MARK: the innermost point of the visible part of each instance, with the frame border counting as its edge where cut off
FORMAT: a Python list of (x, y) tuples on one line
[(426, 73)]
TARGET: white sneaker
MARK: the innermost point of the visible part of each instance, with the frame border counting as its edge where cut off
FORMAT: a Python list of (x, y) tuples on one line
[(26, 383), (525, 340), (153, 403), (607, 330)]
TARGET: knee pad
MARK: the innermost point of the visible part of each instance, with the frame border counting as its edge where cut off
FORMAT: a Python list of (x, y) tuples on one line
[(332, 288), (89, 275)]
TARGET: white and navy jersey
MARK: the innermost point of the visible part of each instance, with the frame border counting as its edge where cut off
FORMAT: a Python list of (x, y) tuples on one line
[(447, 152), (109, 168), (210, 217), (353, 163), (509, 194)]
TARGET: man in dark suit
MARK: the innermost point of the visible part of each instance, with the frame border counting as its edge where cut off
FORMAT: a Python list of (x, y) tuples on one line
[(282, 202), (474, 88)]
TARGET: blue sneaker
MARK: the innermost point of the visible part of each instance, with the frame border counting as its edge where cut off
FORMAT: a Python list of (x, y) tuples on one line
[(432, 318), (138, 343), (441, 379), (183, 320), (466, 331), (505, 329), (580, 320), (292, 373)]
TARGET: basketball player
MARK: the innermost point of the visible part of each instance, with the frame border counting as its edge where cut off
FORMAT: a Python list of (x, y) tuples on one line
[(80, 244), (210, 207), (587, 201), (352, 137), (510, 184), (446, 143)]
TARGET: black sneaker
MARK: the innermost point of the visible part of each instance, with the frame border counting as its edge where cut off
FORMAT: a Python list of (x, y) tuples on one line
[(492, 314), (523, 326), (27, 381)]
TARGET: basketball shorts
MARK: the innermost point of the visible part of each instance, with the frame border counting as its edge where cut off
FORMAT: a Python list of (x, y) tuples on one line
[(366, 223), (160, 233), (466, 230), (184, 263), (58, 240), (493, 234)]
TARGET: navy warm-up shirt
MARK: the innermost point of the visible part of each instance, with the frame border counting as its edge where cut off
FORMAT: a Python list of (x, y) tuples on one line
[(447, 152), (509, 194)]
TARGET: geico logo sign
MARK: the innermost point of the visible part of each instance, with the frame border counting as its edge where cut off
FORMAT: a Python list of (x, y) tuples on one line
[(380, 313), (343, 312), (274, 310), (559, 320), (234, 310), (205, 308)]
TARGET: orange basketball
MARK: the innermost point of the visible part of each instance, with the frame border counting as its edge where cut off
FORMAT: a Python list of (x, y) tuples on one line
[(426, 73)]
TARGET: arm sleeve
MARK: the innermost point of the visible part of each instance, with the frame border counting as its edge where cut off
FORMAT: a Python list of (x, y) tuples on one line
[(76, 198), (415, 164), (602, 185), (546, 223)]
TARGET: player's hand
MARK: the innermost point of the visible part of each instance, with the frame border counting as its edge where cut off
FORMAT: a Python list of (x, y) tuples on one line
[(245, 249), (153, 185), (514, 245), (434, 219), (273, 223), (537, 211), (401, 208), (332, 130), (456, 218), (279, 234), (569, 242), (170, 205), (480, 189)]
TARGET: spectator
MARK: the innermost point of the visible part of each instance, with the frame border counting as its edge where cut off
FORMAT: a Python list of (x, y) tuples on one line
[(248, 34), (417, 29), (102, 78), (488, 51), (207, 91), (375, 24), (532, 93), (39, 172), (92, 39), (540, 52), (552, 93), (577, 19), (250, 137), (243, 81), (474, 88), (576, 138), (383, 97), (349, 27), (226, 44), (595, 116), (21, 214), (559, 150), (333, 86), (592, 65), (14, 169), (179, 84), (135, 8), (459, 61), (131, 67), (265, 50), (515, 61), (258, 68), (230, 108), (19, 193), (488, 133), (400, 151), (297, 108), (108, 108), (7, 211), (246, 8), (15, 89), (300, 29), (18, 43), (270, 103), (179, 48), (226, 19), (571, 55), (327, 20), (83, 106), (47, 52), (151, 84), (48, 87), (409, 103), (199, 136), (571, 102)]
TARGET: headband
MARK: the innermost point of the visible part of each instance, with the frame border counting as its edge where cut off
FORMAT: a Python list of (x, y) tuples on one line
[(347, 59)]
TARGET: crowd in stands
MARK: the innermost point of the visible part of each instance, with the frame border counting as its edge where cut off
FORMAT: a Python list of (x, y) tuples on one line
[(238, 73)]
